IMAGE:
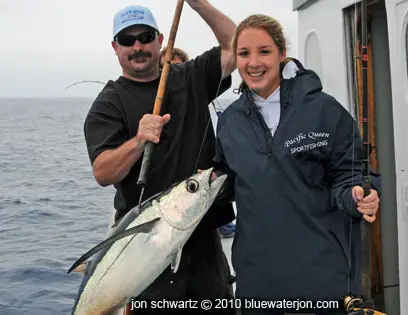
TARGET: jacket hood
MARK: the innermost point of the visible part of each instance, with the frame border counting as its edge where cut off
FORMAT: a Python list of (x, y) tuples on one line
[(305, 80)]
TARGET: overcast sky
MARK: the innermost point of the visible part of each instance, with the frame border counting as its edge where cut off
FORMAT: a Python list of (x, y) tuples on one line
[(49, 44)]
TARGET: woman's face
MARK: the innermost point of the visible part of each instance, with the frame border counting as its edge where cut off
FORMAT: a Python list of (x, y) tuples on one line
[(258, 61)]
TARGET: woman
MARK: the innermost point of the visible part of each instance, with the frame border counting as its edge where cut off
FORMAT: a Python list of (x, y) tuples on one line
[(294, 156)]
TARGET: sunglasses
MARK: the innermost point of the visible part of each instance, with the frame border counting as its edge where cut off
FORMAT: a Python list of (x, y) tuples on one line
[(129, 40)]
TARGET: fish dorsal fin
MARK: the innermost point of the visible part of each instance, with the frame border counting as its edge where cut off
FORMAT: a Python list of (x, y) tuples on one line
[(142, 228)]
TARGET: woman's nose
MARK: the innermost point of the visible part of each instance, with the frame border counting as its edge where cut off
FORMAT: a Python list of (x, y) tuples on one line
[(253, 61)]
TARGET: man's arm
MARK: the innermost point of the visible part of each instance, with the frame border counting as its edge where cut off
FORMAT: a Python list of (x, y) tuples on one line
[(223, 28), (111, 166), (111, 152)]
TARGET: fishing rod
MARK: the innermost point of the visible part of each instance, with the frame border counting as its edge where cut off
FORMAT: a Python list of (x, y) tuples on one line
[(364, 305), (366, 283), (149, 147)]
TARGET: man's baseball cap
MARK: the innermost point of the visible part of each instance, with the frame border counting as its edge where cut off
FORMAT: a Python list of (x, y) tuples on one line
[(133, 15)]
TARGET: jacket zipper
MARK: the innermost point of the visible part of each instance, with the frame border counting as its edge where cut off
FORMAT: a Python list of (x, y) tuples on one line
[(283, 105), (263, 125)]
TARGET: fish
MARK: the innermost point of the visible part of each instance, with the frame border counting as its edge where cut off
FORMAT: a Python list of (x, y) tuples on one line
[(142, 244)]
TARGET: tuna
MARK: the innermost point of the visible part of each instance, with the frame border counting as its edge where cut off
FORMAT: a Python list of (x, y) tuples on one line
[(143, 244)]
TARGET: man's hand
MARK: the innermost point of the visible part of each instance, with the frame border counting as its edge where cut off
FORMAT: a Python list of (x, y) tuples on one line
[(368, 206), (150, 128), (195, 3)]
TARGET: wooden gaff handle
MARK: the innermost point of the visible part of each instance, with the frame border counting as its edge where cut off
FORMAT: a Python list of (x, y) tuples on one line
[(149, 147), (168, 57)]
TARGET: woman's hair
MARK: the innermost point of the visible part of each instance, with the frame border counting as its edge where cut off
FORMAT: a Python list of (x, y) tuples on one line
[(266, 23)]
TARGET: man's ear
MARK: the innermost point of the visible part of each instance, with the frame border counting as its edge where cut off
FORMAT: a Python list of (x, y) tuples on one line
[(160, 39), (115, 47)]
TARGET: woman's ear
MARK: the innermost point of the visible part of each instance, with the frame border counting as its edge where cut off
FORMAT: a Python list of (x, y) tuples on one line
[(283, 55)]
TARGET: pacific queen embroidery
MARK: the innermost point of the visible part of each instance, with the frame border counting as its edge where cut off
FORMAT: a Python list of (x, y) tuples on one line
[(322, 138)]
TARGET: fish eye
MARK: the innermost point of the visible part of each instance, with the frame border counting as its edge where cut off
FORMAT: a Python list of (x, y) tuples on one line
[(192, 185)]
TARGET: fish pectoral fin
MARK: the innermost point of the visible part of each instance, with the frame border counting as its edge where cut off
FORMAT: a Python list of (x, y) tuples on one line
[(142, 228), (175, 262)]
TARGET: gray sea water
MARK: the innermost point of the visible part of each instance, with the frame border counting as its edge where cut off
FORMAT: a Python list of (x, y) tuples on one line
[(51, 209)]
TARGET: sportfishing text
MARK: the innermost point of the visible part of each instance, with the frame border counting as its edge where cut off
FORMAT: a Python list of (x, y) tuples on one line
[(294, 305), (320, 140), (303, 136)]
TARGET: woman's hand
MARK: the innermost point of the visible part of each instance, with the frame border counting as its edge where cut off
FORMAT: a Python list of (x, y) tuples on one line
[(368, 205)]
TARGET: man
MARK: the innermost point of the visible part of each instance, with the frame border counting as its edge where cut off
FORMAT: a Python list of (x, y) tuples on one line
[(119, 124)]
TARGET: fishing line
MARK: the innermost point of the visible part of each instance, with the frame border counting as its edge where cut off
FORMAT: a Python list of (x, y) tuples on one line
[(209, 117), (85, 81)]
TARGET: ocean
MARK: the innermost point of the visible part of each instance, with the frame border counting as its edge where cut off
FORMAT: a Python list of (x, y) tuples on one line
[(51, 209)]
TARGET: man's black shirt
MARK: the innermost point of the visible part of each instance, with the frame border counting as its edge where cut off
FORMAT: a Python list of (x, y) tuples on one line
[(115, 114)]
